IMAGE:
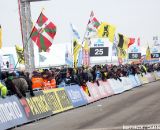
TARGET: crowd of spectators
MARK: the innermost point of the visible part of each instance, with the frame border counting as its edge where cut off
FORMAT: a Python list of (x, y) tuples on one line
[(21, 82)]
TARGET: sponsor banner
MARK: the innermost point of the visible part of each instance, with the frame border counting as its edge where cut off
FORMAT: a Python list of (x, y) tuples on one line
[(87, 95), (36, 107), (94, 91), (74, 92), (116, 86), (143, 79), (107, 88), (11, 113), (157, 75), (150, 77), (53, 101), (102, 91), (153, 76), (63, 98), (58, 100), (133, 81), (127, 84), (137, 80)]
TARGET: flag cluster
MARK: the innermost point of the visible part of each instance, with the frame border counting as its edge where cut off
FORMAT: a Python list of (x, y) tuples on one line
[(101, 30)]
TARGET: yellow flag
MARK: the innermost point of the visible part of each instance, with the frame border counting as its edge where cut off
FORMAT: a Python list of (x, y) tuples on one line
[(86, 46), (0, 37), (76, 49), (107, 30), (148, 54), (122, 53), (123, 42), (126, 42), (20, 54)]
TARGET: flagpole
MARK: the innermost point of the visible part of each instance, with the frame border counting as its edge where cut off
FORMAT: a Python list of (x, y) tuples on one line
[(84, 39), (28, 39), (86, 28)]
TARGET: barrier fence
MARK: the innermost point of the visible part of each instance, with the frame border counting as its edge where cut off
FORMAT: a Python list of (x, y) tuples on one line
[(45, 103)]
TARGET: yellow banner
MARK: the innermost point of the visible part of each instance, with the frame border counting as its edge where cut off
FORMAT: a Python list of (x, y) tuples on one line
[(148, 54), (53, 101), (107, 30), (57, 100), (76, 49), (63, 98)]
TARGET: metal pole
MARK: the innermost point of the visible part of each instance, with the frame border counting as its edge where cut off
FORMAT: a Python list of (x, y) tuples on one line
[(25, 14)]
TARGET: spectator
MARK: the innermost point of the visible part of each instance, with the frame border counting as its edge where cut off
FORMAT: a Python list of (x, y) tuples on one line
[(3, 90)]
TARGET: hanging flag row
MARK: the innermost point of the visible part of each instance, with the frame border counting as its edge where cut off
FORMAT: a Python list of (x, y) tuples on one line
[(96, 29)]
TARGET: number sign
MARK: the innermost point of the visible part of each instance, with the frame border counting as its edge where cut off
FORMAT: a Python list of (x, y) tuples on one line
[(155, 55), (134, 55), (99, 51)]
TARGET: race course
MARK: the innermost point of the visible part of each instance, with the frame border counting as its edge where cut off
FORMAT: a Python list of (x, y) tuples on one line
[(138, 106)]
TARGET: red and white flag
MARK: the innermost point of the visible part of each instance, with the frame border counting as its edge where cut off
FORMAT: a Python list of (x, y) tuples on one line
[(43, 32)]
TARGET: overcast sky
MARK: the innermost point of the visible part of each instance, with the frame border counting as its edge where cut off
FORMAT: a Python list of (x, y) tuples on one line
[(133, 18)]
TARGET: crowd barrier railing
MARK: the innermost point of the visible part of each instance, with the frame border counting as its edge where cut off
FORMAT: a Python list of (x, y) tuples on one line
[(45, 103)]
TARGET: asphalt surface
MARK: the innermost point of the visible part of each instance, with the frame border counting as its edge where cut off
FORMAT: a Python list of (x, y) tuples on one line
[(138, 106)]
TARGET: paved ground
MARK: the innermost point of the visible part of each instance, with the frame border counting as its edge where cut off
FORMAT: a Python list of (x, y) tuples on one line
[(137, 106)]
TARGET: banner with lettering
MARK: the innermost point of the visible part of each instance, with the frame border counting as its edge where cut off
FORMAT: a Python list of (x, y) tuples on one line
[(63, 98), (100, 51), (36, 107), (58, 100), (74, 92), (11, 113), (134, 53)]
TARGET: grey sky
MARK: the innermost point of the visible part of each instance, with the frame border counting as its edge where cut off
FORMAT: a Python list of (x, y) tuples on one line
[(133, 18)]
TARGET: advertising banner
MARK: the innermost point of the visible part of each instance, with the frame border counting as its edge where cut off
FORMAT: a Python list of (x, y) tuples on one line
[(116, 86), (143, 79), (74, 92), (58, 100), (11, 113), (150, 77), (63, 98), (106, 88), (137, 80), (127, 85), (133, 81), (53, 101), (102, 91), (157, 75), (94, 91), (87, 95), (36, 107)]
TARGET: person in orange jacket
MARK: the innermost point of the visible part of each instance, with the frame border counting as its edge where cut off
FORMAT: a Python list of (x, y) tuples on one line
[(37, 80), (49, 81)]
